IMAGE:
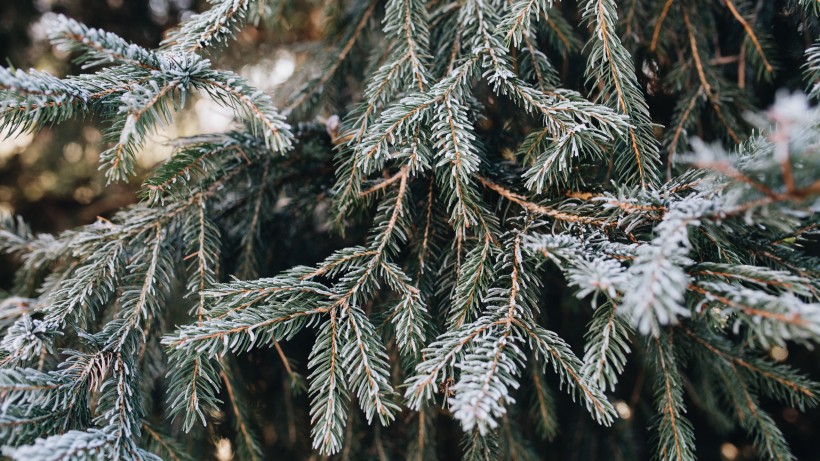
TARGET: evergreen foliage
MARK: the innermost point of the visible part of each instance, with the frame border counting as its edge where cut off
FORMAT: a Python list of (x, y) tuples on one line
[(477, 182)]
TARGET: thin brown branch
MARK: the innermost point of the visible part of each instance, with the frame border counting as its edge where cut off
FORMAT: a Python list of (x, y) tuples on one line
[(328, 73), (540, 209), (693, 43), (657, 32), (750, 33)]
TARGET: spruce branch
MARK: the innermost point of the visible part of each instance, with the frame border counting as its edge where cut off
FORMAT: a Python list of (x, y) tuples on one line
[(673, 432), (607, 345), (637, 157), (216, 26)]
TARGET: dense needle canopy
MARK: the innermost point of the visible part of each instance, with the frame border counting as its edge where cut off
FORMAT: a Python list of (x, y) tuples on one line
[(563, 229)]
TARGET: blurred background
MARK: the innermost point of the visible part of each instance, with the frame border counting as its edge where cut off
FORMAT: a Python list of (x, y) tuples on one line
[(51, 178)]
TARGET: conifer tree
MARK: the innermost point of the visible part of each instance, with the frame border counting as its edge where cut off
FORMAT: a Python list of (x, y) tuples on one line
[(495, 166)]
